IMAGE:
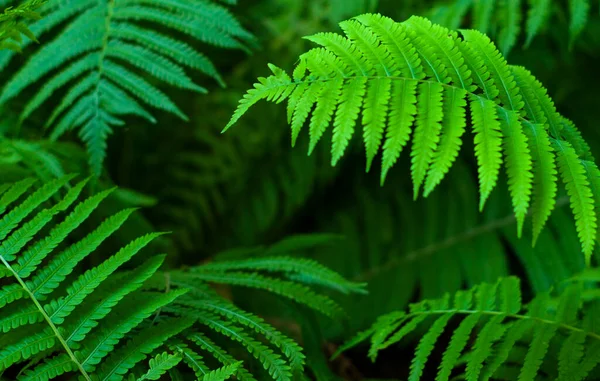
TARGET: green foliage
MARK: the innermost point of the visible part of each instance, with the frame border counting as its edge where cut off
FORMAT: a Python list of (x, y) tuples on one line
[(102, 324), (493, 323), (13, 24), (46, 312), (507, 21), (106, 40), (274, 259), (424, 249), (428, 75)]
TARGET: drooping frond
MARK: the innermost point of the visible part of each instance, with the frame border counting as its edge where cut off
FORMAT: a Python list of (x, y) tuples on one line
[(508, 22), (14, 23), (420, 73), (107, 58), (493, 324)]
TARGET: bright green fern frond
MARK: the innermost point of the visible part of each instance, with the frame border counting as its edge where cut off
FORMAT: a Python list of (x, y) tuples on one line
[(70, 324), (494, 323), (418, 75), (98, 51), (223, 373), (159, 365)]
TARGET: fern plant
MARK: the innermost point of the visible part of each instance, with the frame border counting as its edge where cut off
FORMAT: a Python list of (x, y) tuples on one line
[(442, 244), (72, 324), (417, 73), (506, 21), (493, 322), (102, 324), (94, 56)]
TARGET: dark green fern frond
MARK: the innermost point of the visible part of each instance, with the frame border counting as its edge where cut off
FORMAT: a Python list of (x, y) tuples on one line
[(94, 56), (14, 23), (507, 21), (159, 365), (420, 73), (493, 323), (280, 356), (74, 323), (296, 275)]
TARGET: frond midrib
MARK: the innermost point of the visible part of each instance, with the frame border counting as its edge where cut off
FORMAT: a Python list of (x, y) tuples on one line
[(47, 319), (105, 39), (505, 314), (398, 78)]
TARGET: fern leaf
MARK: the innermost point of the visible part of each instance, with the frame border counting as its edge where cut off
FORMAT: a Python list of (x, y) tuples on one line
[(87, 282), (10, 220), (94, 42), (426, 345), (487, 145), (110, 292), (48, 278), (345, 117), (578, 10), (544, 173), (427, 131), (496, 346), (270, 360), (159, 365), (229, 311), (457, 344), (307, 270), (482, 15), (291, 290), (125, 358), (578, 188), (514, 333), (537, 16), (192, 359), (447, 51), (323, 113), (402, 115), (511, 20), (491, 332), (570, 356), (416, 71), (31, 259), (223, 373), (374, 116), (101, 343), (393, 36), (537, 351), (221, 355), (518, 165), (454, 124)]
